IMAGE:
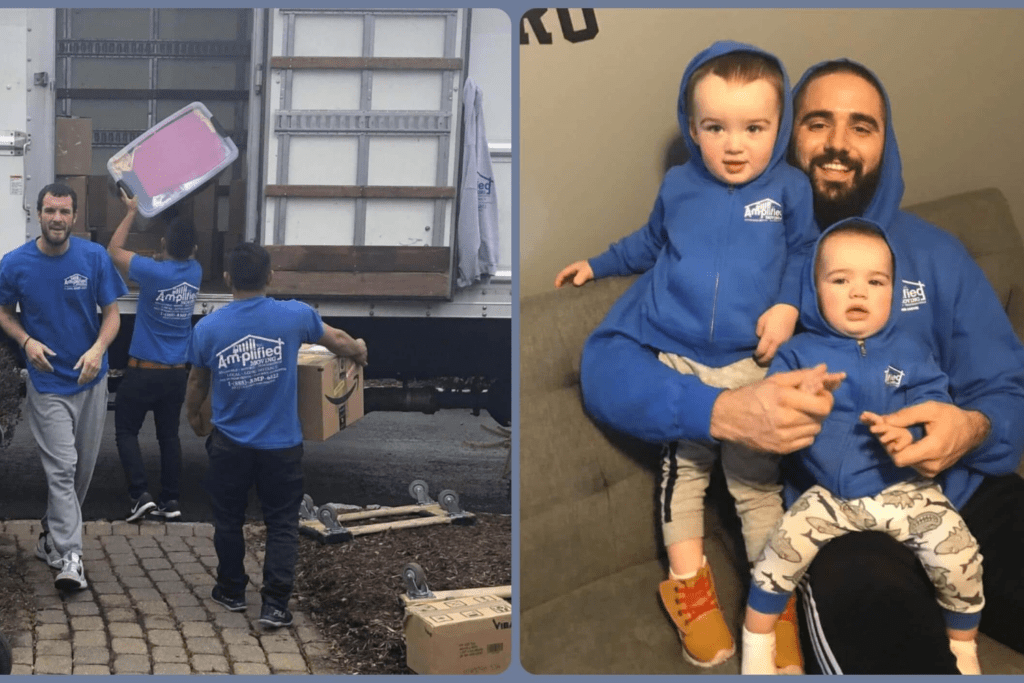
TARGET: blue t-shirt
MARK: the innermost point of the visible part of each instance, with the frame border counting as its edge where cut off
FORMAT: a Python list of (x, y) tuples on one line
[(167, 296), (59, 296), (251, 348)]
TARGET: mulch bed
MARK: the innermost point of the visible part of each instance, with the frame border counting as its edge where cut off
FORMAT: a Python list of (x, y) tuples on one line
[(352, 589)]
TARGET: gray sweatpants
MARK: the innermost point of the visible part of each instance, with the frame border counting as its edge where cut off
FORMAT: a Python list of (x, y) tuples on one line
[(916, 513), (752, 476), (68, 430)]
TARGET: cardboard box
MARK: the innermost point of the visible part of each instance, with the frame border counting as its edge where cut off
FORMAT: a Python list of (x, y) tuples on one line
[(73, 153), (460, 636), (80, 184), (330, 392)]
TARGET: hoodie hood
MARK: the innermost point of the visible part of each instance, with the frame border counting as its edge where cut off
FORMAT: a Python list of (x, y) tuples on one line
[(886, 202), (810, 314), (718, 49)]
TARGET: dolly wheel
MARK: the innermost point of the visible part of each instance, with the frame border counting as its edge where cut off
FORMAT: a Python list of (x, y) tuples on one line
[(418, 490), (449, 501), (416, 581)]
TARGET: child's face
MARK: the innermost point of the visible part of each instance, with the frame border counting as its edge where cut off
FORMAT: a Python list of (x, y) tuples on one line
[(854, 280), (735, 125)]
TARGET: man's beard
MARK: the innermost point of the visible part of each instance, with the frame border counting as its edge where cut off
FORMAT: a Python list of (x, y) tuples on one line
[(839, 202), (56, 243)]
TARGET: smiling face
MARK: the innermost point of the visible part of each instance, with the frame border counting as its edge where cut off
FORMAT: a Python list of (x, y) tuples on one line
[(838, 140), (854, 277), (735, 125)]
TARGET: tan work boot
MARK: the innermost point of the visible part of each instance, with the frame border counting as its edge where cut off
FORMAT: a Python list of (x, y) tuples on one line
[(788, 659), (692, 605)]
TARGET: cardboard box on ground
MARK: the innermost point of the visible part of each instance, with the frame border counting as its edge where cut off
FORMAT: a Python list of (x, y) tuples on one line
[(330, 392), (459, 636)]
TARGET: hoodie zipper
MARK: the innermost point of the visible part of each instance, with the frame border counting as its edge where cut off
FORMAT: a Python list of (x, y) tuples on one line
[(863, 352), (718, 269)]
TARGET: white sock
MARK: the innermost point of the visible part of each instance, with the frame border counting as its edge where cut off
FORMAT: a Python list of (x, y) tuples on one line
[(966, 652), (758, 655), (680, 577)]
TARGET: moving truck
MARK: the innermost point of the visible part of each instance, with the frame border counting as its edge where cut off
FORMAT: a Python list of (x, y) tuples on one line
[(350, 127)]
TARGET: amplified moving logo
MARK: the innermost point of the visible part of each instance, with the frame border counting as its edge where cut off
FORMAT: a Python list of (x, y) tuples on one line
[(76, 282), (763, 211), (913, 295), (178, 294), (177, 302), (251, 361)]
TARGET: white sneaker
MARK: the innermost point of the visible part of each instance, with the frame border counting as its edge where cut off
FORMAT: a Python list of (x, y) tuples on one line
[(46, 551), (72, 574)]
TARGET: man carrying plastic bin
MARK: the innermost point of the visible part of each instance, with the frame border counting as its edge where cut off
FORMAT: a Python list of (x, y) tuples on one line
[(156, 373), (245, 357)]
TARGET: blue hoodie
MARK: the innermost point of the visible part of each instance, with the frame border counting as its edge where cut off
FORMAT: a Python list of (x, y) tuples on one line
[(887, 371), (948, 303), (714, 256)]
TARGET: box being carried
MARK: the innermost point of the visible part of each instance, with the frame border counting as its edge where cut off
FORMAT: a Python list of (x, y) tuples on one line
[(459, 636), (330, 392), (173, 158)]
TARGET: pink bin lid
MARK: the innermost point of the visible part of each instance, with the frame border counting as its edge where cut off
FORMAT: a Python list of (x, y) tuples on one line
[(185, 149)]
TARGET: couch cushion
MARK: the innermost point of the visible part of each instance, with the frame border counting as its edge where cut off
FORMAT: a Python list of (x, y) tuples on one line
[(553, 327)]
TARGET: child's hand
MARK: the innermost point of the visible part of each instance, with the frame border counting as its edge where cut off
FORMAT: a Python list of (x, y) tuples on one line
[(580, 273), (893, 438), (774, 328)]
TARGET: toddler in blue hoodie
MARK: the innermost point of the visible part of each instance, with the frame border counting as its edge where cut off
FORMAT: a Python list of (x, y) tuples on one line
[(721, 257), (850, 482)]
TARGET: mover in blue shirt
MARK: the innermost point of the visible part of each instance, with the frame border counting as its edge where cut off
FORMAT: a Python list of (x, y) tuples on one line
[(59, 281), (157, 373), (244, 356)]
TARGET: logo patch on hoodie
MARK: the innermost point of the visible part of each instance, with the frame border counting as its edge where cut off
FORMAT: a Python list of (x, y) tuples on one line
[(893, 377), (913, 295), (763, 211)]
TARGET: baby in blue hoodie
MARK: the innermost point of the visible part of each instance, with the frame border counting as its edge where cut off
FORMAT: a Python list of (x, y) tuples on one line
[(849, 480), (721, 258)]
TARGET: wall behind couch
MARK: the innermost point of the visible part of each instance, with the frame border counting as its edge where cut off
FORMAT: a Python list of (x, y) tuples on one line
[(597, 116)]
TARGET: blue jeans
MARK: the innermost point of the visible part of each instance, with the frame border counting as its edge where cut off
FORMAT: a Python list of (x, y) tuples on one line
[(140, 391), (277, 475)]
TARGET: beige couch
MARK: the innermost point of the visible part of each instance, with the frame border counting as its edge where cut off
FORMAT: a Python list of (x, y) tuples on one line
[(590, 552)]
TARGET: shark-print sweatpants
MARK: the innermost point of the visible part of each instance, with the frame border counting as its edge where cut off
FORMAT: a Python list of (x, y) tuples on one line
[(915, 513), (752, 477)]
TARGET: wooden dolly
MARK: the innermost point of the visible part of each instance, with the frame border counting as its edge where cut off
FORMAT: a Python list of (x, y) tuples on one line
[(327, 522), (418, 592)]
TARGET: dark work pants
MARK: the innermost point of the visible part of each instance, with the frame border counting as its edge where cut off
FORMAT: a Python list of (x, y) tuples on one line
[(875, 607), (163, 392), (277, 474)]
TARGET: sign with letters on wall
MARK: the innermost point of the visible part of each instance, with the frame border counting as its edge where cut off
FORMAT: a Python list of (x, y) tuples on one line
[(539, 22)]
